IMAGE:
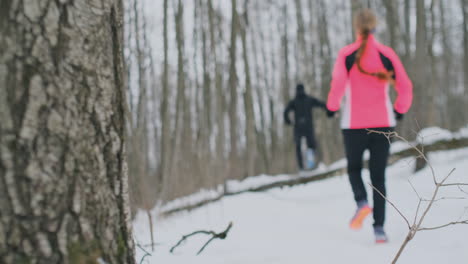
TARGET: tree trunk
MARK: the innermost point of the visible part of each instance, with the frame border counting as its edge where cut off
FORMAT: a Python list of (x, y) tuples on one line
[(251, 145), (407, 36), (233, 124), (420, 60), (302, 57), (391, 18), (165, 114), (63, 189), (464, 5), (432, 86)]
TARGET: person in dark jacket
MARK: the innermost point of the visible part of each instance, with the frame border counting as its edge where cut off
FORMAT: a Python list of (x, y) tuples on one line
[(302, 106)]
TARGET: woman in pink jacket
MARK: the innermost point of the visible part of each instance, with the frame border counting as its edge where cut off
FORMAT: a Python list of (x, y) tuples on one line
[(362, 75)]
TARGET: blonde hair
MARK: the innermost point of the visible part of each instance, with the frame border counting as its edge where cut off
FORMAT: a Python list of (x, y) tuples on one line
[(364, 23)]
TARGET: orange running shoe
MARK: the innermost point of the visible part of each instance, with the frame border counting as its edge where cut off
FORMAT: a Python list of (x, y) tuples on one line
[(361, 214)]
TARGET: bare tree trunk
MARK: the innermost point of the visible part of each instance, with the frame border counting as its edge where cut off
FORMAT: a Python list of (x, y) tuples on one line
[(448, 77), (327, 146), (165, 114), (432, 85), (392, 22), (138, 139), (63, 190), (180, 141), (407, 36), (301, 42), (251, 145), (217, 33), (263, 130), (233, 125), (356, 5), (420, 60), (464, 5), (287, 145)]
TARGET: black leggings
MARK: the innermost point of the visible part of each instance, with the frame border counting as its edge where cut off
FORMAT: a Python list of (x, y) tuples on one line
[(310, 139), (356, 142)]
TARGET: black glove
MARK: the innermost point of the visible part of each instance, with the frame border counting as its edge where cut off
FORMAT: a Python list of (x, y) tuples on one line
[(330, 114), (288, 122), (398, 116)]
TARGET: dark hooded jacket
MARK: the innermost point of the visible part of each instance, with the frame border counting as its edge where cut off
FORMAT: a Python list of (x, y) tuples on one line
[(302, 106)]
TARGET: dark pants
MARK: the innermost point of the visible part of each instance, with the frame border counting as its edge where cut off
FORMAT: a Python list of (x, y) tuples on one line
[(356, 142), (300, 133)]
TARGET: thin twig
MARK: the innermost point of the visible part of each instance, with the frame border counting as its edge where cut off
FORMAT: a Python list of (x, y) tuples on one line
[(454, 184), (145, 255), (419, 151), (442, 226), (461, 190), (206, 244), (386, 199), (221, 235), (446, 177), (445, 198), (414, 189), (419, 203), (189, 235), (417, 212)]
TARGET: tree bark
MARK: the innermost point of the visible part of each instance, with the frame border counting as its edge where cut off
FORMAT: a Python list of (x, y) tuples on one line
[(251, 146), (164, 165), (392, 22), (63, 178), (464, 5), (233, 156), (420, 60), (407, 36)]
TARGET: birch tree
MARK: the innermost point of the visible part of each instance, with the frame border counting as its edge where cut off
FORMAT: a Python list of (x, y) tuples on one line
[(63, 178)]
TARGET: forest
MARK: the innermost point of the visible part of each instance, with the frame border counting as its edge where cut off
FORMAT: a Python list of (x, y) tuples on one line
[(208, 82), (109, 108)]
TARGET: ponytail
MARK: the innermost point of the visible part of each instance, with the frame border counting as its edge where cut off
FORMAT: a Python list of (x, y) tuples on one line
[(365, 22)]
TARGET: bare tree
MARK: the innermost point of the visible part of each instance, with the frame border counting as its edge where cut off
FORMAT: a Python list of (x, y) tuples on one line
[(163, 169), (391, 18), (233, 81), (63, 173)]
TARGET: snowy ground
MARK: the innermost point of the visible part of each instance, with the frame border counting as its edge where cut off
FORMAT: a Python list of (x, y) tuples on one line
[(309, 223)]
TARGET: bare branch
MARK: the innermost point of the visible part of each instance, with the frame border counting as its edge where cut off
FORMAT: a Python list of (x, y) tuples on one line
[(221, 235), (446, 177), (211, 239), (419, 151), (386, 199), (413, 229), (454, 184), (442, 226), (417, 212), (145, 255), (414, 189), (444, 198), (419, 203), (189, 235), (460, 188)]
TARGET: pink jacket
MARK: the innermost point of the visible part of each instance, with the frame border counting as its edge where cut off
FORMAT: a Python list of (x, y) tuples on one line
[(367, 103)]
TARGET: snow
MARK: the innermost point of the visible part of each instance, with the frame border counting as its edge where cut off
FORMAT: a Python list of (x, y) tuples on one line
[(309, 223), (426, 136), (433, 134)]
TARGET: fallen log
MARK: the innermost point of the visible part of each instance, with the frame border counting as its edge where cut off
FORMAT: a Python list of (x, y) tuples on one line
[(440, 145)]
